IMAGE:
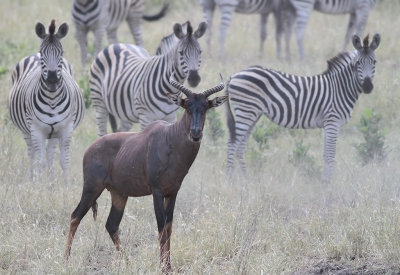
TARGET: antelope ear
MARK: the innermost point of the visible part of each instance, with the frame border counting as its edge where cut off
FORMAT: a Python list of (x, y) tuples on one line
[(357, 42), (178, 31), (376, 40), (215, 102), (40, 30), (176, 98), (200, 30), (62, 31)]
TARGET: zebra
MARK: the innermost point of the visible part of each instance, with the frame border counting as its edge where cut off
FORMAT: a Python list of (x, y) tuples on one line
[(132, 88), (227, 7), (320, 101), (358, 10), (45, 102), (102, 16)]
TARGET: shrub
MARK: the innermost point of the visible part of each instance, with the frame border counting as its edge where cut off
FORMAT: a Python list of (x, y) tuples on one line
[(373, 147), (214, 125), (84, 85), (263, 132), (302, 160)]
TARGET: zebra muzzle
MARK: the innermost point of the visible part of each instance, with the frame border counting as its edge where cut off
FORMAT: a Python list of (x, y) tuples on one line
[(193, 78), (367, 85)]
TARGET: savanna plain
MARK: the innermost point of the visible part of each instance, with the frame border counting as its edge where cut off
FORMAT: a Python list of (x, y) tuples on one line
[(281, 219)]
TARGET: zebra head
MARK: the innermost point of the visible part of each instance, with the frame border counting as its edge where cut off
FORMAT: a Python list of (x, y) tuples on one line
[(364, 62), (189, 51), (51, 54)]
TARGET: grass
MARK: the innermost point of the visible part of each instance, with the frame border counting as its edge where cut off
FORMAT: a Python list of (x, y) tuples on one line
[(278, 221)]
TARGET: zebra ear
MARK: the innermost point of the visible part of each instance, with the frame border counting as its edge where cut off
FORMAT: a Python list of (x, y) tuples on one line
[(176, 98), (200, 30), (178, 31), (376, 40), (357, 42), (62, 31), (40, 30)]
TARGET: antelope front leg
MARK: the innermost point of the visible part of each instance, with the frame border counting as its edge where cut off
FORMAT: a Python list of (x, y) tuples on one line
[(164, 210), (331, 132)]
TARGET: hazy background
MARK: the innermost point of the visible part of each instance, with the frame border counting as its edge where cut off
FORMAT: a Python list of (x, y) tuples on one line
[(281, 219)]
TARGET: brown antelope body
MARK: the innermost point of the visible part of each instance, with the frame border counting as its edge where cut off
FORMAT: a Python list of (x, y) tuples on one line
[(154, 161)]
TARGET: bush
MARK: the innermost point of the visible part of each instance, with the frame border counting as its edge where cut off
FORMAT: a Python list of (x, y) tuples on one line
[(373, 147), (214, 125), (263, 132), (84, 85), (302, 160)]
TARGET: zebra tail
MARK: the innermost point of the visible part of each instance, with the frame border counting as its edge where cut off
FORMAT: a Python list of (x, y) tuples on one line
[(159, 15), (229, 117), (113, 123)]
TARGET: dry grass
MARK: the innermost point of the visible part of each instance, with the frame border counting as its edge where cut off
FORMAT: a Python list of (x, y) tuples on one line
[(278, 221)]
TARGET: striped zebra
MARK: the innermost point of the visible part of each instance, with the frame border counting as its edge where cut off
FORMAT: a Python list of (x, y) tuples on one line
[(132, 88), (102, 16), (45, 101), (358, 10), (319, 101), (227, 7)]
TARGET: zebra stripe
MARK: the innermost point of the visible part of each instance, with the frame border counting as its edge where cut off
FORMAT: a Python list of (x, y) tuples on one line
[(102, 16), (227, 7), (319, 101), (358, 10), (133, 87), (45, 101)]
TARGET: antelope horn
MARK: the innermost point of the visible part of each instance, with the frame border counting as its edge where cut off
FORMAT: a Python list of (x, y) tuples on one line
[(215, 89), (179, 86)]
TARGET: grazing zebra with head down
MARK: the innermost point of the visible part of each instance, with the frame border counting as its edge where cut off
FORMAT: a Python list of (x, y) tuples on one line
[(358, 10), (319, 101), (227, 7), (45, 101), (102, 16), (133, 88)]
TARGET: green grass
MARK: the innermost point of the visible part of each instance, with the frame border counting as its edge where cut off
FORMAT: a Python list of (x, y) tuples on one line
[(279, 221)]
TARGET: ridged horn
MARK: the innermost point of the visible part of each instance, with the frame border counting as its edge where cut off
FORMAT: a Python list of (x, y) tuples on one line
[(179, 86), (215, 89)]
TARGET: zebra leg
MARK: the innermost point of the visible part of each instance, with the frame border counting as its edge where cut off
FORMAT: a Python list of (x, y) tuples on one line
[(112, 35), (134, 21), (125, 126), (101, 116), (303, 12), (226, 11), (51, 147), (208, 12), (263, 32), (350, 30), (31, 154), (98, 39), (331, 131), (81, 37), (38, 143), (65, 142)]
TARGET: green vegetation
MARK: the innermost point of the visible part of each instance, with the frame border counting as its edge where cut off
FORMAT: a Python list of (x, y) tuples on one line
[(373, 147)]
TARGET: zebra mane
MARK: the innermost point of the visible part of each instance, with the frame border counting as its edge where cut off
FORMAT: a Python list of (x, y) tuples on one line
[(189, 28), (52, 27), (338, 62)]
